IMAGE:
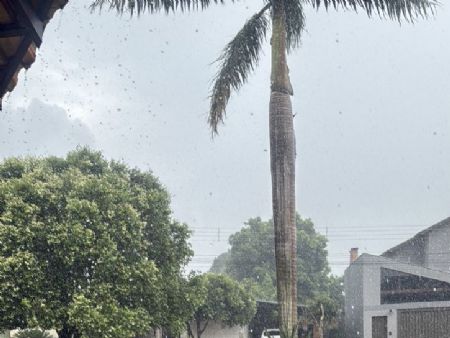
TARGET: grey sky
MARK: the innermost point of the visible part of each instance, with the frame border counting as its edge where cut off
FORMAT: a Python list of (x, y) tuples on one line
[(41, 129), (372, 118)]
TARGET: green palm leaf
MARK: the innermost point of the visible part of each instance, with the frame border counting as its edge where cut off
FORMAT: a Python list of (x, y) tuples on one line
[(394, 9), (152, 6), (295, 23), (238, 59)]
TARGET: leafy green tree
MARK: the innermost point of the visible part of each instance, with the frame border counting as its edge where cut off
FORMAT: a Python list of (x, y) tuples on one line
[(220, 264), (251, 260), (238, 59), (222, 299), (88, 247)]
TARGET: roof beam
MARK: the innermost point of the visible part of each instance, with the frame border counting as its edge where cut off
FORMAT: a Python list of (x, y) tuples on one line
[(13, 64), (30, 19), (8, 9), (43, 9), (11, 30)]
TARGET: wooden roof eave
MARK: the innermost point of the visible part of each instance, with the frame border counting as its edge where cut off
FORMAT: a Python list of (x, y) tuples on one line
[(27, 22)]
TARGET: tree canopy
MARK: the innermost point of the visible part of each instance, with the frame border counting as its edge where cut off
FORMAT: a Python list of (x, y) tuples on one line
[(221, 299), (88, 247), (251, 259)]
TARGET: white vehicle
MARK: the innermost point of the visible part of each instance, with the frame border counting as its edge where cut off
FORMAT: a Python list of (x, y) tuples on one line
[(271, 333)]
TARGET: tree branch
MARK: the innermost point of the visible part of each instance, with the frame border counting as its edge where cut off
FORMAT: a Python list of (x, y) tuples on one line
[(189, 330), (204, 327)]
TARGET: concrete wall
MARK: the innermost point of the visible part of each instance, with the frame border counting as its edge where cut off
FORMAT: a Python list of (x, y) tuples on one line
[(362, 295), (354, 306), (413, 252), (438, 249), (51, 332), (218, 330), (431, 251), (391, 311)]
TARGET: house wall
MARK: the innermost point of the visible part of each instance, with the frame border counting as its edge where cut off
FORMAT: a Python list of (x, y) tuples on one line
[(365, 277), (413, 252), (432, 250), (13, 333), (372, 300), (354, 307), (438, 249), (218, 330), (391, 312)]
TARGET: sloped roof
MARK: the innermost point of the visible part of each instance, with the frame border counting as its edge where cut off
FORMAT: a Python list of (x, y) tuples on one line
[(22, 24), (367, 259), (418, 237)]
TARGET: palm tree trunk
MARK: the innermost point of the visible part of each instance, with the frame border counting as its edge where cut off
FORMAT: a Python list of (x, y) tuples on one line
[(282, 160)]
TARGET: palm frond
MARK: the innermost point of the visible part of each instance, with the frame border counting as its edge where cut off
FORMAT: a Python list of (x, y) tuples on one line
[(152, 6), (295, 23), (394, 9), (238, 59)]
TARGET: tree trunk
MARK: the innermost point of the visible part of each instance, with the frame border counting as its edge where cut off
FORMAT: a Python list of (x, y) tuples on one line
[(68, 332), (189, 330), (200, 330), (282, 161), (64, 333)]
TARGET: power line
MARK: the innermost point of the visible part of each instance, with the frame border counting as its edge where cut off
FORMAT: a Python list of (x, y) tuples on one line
[(330, 227)]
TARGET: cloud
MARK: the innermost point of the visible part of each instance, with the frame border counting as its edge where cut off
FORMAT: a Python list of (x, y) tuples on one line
[(41, 129)]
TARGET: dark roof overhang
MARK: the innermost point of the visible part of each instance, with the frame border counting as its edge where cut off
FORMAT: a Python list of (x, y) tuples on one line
[(22, 25)]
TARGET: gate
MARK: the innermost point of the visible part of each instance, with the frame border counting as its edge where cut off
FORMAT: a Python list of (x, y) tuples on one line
[(424, 323), (379, 327)]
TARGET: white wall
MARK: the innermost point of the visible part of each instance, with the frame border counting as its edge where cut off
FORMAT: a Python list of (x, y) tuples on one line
[(391, 322), (218, 330), (438, 249), (52, 332)]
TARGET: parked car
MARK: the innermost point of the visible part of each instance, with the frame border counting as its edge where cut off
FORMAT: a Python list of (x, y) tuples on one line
[(271, 333)]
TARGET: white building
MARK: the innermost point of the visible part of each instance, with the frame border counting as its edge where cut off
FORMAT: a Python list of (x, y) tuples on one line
[(405, 292)]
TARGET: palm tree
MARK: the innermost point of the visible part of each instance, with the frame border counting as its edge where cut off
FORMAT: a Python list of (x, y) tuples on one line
[(238, 59)]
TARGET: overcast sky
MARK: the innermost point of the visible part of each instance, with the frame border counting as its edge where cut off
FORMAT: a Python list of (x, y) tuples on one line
[(372, 121)]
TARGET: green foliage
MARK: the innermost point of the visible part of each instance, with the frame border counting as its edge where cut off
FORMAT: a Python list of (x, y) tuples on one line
[(251, 259), (407, 9), (153, 6), (221, 298), (238, 59), (88, 247), (32, 333), (295, 23), (220, 263)]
